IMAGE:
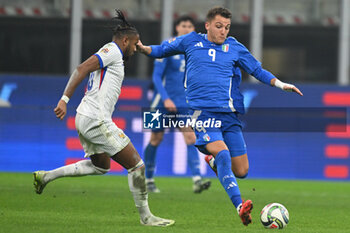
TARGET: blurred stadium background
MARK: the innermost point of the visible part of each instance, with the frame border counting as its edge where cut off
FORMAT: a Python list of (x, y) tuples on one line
[(305, 42)]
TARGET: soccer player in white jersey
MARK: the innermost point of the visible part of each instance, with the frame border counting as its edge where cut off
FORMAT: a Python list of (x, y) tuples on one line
[(100, 137)]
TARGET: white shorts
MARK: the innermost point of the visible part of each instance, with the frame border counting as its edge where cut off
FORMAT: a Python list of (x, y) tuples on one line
[(99, 137)]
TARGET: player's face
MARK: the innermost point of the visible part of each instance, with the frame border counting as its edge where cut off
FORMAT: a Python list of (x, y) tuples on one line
[(218, 29), (184, 28), (131, 47)]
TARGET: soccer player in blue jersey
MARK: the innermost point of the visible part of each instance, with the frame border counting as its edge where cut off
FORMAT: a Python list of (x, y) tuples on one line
[(213, 63), (168, 75)]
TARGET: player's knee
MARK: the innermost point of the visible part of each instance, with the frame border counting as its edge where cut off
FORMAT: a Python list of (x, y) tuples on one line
[(241, 173), (101, 162), (214, 148), (190, 140)]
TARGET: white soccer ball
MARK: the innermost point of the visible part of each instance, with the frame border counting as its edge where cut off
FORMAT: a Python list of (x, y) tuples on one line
[(274, 216)]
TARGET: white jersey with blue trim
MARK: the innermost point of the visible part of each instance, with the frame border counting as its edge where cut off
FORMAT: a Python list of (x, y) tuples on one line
[(104, 85)]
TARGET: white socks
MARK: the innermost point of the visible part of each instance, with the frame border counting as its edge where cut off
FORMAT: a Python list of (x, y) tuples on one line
[(81, 168), (239, 208), (149, 180), (136, 180), (137, 186), (196, 178)]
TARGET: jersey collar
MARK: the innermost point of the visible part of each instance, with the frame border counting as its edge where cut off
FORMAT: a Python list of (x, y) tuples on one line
[(119, 48)]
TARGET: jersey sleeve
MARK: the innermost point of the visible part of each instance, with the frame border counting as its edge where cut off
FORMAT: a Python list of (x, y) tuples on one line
[(176, 45), (252, 66), (245, 59), (158, 72), (263, 75), (107, 54)]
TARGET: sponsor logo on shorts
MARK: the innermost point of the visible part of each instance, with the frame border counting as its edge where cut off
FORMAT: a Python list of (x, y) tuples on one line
[(206, 137), (105, 50), (121, 135)]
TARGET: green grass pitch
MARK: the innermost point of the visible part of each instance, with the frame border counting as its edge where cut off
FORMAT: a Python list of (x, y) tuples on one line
[(104, 204)]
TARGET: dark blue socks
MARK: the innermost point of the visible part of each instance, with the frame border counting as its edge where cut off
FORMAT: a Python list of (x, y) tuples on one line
[(227, 178), (193, 160), (150, 160)]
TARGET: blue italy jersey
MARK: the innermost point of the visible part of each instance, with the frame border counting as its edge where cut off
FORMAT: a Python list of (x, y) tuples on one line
[(168, 79), (213, 75)]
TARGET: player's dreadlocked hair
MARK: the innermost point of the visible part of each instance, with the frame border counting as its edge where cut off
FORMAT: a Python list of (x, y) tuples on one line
[(122, 27)]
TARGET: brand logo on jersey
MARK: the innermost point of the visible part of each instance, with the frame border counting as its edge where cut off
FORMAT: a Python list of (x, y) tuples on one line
[(105, 50), (225, 47), (151, 120), (199, 44), (172, 39)]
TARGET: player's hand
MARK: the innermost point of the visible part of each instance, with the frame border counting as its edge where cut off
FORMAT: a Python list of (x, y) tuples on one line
[(143, 49), (292, 88), (169, 105), (61, 109), (285, 86), (140, 46)]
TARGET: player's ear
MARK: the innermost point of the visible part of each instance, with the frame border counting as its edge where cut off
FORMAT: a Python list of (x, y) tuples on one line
[(125, 41), (207, 25), (177, 28)]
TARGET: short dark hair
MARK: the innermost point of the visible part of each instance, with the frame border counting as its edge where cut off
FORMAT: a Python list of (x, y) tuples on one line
[(184, 18), (224, 12), (121, 27)]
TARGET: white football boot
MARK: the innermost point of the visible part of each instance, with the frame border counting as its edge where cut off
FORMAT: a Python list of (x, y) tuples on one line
[(156, 221), (39, 183)]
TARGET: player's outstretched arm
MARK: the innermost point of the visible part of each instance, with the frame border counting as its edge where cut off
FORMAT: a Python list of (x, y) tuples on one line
[(143, 49), (166, 49), (285, 86), (90, 65)]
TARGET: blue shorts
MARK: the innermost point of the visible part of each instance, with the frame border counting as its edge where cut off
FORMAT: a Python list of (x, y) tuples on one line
[(230, 132)]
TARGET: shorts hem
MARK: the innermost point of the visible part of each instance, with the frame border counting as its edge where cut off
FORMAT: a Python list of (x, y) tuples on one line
[(238, 153)]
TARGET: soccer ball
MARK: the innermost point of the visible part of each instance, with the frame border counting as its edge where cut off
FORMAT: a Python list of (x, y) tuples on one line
[(274, 216)]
